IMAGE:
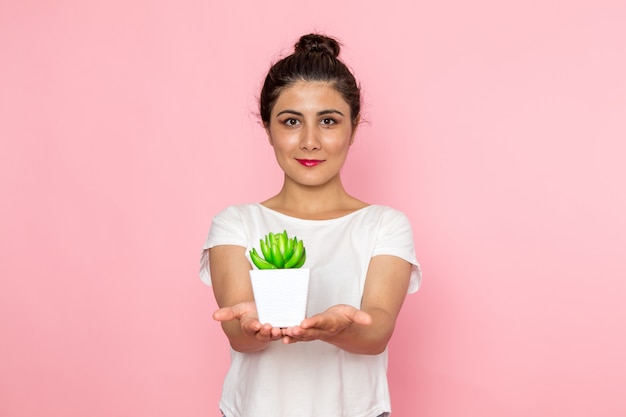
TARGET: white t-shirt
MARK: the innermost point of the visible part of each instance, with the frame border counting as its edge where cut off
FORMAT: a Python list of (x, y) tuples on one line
[(313, 379)]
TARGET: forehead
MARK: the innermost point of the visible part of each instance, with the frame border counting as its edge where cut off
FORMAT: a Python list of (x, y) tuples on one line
[(310, 95)]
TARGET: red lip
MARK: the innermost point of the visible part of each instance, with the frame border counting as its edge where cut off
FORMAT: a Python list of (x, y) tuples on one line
[(309, 162)]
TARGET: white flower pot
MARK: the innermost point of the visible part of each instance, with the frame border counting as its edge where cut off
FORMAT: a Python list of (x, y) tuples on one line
[(280, 295)]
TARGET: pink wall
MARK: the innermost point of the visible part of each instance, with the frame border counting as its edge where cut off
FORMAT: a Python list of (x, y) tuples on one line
[(499, 128)]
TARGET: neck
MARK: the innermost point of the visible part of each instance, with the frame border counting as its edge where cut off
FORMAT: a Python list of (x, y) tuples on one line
[(314, 202)]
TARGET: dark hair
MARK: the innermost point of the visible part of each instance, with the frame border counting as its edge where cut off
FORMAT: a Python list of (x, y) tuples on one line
[(314, 59)]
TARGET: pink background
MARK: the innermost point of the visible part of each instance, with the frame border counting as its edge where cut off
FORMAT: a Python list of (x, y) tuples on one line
[(498, 127)]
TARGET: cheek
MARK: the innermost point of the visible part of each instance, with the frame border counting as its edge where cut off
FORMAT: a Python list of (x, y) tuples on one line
[(282, 145), (282, 150), (287, 144), (340, 144)]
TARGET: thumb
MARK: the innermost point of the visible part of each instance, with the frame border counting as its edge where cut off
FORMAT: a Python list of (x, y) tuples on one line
[(224, 314), (361, 317)]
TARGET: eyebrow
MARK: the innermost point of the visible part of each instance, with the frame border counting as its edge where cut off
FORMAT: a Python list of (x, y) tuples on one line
[(319, 113)]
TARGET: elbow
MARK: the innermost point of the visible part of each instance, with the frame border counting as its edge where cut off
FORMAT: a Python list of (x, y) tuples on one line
[(376, 351), (370, 350), (373, 347), (378, 348)]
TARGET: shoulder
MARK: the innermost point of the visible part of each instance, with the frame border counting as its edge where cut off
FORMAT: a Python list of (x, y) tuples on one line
[(389, 221), (386, 213), (238, 212), (233, 219)]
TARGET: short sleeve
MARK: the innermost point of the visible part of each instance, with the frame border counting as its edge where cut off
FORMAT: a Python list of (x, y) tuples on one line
[(227, 228), (395, 237)]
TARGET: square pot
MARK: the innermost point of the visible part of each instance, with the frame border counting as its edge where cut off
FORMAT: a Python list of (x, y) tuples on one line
[(280, 295)]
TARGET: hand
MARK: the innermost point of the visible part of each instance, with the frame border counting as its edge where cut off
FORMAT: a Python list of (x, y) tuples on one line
[(248, 321), (326, 325)]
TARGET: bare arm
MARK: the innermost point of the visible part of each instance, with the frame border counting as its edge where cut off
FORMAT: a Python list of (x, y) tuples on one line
[(368, 330), (233, 293)]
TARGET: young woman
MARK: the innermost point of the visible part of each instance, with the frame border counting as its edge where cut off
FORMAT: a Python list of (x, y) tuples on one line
[(361, 257)]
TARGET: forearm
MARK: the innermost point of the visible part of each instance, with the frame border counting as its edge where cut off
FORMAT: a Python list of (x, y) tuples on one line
[(386, 287), (240, 341), (370, 339)]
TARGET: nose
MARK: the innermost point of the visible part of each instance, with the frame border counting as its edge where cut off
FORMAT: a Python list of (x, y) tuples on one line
[(309, 139)]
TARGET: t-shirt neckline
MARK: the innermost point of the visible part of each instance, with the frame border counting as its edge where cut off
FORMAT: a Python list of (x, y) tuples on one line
[(334, 219)]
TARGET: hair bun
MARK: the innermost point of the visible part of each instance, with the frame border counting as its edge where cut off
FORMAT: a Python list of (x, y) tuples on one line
[(317, 43)]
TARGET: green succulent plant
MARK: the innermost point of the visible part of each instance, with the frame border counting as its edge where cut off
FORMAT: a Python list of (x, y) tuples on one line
[(278, 251)]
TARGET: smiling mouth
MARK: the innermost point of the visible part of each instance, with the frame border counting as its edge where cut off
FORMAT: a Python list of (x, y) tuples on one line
[(309, 162)]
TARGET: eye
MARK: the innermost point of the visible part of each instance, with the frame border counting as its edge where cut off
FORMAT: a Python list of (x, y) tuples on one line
[(291, 122), (328, 121)]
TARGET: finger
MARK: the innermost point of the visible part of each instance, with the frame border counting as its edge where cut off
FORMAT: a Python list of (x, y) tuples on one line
[(313, 321), (305, 335), (251, 325), (267, 332), (264, 333), (356, 316), (287, 340)]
